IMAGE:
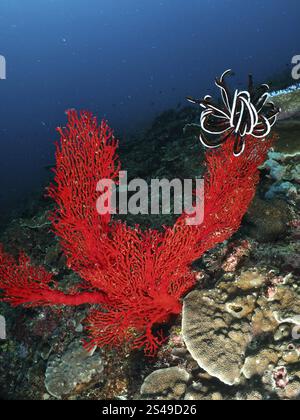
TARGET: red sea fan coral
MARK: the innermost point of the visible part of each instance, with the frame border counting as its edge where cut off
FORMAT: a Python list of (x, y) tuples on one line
[(136, 278)]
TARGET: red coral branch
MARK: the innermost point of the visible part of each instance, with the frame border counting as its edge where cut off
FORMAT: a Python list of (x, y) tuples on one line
[(85, 155), (137, 277), (31, 286), (230, 186)]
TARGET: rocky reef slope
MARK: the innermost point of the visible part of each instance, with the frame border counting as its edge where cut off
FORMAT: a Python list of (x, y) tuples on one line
[(239, 336)]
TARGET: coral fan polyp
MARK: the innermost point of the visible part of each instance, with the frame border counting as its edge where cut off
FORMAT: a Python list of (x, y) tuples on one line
[(136, 278)]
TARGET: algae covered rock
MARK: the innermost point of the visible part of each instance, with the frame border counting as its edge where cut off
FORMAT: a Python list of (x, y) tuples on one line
[(250, 280), (284, 170), (73, 371), (289, 104), (268, 220)]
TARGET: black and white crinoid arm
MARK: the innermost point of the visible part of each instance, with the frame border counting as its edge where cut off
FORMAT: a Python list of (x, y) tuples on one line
[(246, 113)]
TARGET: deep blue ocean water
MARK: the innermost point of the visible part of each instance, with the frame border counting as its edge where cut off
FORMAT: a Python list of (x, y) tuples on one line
[(126, 60)]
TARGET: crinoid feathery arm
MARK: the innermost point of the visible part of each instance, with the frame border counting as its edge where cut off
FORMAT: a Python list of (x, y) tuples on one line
[(242, 116)]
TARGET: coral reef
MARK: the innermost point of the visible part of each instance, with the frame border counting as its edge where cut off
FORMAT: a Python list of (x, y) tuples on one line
[(220, 326), (242, 335), (138, 278), (242, 269)]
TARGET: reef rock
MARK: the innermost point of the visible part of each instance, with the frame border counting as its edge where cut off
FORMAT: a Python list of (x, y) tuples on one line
[(279, 255), (284, 171), (268, 220), (289, 104), (73, 371)]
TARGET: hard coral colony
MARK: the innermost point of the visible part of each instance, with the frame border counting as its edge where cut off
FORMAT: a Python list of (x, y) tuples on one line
[(136, 278)]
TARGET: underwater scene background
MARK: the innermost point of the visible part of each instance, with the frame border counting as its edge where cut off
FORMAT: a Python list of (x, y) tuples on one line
[(226, 296)]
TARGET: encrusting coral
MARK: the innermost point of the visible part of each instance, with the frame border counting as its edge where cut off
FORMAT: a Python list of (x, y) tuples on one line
[(246, 328), (136, 277)]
